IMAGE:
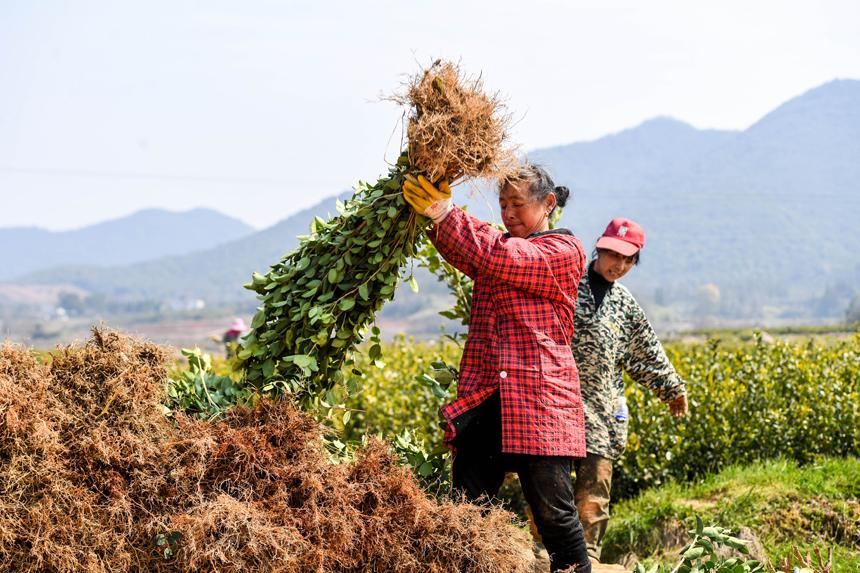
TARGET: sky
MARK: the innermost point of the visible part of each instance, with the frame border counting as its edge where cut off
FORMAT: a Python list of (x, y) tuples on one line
[(261, 108)]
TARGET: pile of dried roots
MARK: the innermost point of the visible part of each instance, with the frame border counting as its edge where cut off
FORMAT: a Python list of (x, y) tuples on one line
[(94, 478), (455, 128)]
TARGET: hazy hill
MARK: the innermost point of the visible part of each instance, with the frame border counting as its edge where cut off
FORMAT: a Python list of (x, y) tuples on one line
[(147, 234), (632, 158), (215, 274), (766, 214)]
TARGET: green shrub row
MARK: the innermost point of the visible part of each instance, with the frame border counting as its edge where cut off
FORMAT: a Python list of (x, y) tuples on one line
[(755, 401), (398, 396), (797, 400), (748, 402)]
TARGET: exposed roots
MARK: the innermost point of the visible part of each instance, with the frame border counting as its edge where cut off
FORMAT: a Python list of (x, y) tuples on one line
[(94, 478), (455, 129)]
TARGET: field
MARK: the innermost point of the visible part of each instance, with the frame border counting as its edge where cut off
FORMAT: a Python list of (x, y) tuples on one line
[(769, 450)]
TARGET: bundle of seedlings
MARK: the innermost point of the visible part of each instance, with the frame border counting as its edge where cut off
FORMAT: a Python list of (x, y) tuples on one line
[(318, 301), (94, 478)]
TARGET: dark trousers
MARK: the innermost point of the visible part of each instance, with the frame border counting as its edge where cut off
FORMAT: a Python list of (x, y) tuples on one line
[(479, 471)]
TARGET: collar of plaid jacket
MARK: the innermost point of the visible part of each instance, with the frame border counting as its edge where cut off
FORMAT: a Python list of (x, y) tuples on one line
[(558, 231)]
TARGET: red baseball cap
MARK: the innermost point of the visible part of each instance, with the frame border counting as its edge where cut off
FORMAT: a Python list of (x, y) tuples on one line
[(622, 236)]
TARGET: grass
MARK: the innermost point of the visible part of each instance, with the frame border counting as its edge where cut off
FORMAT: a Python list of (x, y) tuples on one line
[(784, 504)]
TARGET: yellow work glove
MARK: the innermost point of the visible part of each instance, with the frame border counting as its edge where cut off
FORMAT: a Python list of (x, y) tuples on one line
[(426, 199)]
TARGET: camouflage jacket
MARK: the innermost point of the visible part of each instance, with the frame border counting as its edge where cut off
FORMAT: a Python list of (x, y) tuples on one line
[(615, 338)]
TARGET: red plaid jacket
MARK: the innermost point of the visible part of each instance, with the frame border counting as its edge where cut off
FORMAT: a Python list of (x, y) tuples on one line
[(523, 303)]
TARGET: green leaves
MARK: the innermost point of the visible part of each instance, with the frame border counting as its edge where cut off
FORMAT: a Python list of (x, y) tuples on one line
[(318, 225), (700, 556), (375, 352), (201, 392), (318, 300), (693, 553), (168, 543), (428, 465), (307, 364), (439, 379), (791, 399)]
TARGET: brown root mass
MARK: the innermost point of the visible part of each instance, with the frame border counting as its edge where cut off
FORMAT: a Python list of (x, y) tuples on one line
[(454, 128), (94, 478)]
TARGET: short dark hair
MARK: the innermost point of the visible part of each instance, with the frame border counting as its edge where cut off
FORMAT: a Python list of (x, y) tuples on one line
[(540, 184)]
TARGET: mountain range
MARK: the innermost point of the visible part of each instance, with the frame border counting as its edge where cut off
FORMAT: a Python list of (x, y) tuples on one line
[(766, 214), (144, 235), (749, 224), (215, 274)]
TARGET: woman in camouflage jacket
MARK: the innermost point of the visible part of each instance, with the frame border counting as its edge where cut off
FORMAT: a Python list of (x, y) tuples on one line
[(611, 335)]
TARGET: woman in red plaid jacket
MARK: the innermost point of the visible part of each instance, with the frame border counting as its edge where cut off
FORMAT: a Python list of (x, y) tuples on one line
[(518, 405)]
